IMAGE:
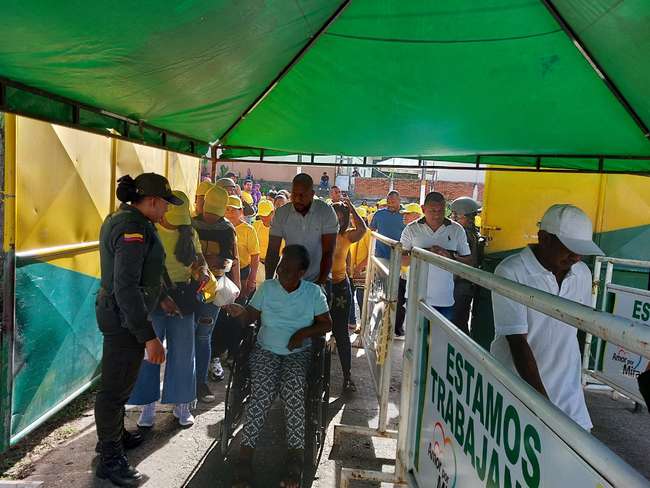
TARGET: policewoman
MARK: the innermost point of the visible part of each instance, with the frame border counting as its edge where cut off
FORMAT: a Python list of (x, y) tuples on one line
[(132, 267)]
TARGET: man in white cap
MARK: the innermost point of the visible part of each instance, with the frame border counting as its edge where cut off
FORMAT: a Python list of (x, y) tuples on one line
[(543, 350)]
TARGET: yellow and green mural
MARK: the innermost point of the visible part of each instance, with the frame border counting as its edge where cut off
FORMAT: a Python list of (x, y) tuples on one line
[(64, 181)]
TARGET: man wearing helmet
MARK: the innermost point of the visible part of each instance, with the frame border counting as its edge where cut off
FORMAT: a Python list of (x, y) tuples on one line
[(464, 211)]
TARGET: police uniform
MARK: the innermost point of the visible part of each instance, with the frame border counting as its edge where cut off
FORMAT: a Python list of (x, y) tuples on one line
[(132, 260), (132, 264), (465, 290)]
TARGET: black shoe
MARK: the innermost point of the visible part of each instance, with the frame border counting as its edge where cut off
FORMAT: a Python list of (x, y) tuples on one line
[(644, 387), (130, 440), (348, 385), (114, 466), (204, 394)]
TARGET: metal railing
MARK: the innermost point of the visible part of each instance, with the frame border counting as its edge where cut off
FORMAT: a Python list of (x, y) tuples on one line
[(593, 452), (592, 455)]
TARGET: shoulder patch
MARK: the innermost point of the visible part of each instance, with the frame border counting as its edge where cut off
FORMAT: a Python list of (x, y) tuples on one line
[(133, 237)]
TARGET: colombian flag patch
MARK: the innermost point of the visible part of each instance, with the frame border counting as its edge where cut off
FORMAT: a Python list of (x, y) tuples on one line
[(133, 238)]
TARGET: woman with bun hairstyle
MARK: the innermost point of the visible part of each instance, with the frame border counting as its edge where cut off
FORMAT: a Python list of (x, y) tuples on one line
[(132, 262)]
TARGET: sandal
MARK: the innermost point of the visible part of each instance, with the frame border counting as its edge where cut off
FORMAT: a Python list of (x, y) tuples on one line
[(293, 474), (243, 475)]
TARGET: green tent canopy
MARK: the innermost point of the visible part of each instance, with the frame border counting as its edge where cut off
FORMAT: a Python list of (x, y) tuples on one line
[(546, 83)]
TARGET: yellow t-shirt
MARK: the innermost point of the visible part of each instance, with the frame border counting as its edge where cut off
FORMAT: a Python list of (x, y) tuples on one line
[(178, 272), (263, 233), (247, 243), (359, 250), (339, 271)]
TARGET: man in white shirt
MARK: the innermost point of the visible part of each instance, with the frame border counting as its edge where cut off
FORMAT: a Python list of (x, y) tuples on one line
[(306, 221), (440, 235), (543, 350)]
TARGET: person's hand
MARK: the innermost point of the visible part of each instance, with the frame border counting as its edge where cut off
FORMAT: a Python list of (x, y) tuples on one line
[(204, 277), (441, 252), (248, 288), (234, 310), (215, 262), (346, 201), (296, 340), (155, 351), (170, 308)]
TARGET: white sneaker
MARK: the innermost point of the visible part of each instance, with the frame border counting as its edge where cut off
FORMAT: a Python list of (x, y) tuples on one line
[(148, 415), (216, 370), (183, 414)]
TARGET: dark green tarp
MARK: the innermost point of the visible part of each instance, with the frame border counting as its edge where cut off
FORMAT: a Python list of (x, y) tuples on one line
[(444, 79)]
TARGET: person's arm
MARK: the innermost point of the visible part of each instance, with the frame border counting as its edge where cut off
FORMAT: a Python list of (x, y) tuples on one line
[(321, 326), (329, 231), (235, 271), (272, 256), (407, 244), (524, 359), (251, 281), (360, 227), (328, 242), (245, 315), (129, 247), (129, 254), (373, 223)]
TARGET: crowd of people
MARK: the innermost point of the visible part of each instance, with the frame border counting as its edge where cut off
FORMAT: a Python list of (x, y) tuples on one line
[(299, 263)]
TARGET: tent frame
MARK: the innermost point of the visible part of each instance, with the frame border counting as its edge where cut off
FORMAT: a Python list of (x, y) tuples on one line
[(597, 67), (129, 129)]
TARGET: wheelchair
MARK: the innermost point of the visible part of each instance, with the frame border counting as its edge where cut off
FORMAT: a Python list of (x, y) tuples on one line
[(317, 395)]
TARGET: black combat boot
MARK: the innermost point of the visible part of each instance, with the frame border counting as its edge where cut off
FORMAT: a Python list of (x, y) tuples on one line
[(114, 465), (130, 440)]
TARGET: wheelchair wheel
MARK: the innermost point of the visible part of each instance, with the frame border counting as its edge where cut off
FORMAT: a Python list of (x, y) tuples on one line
[(316, 404), (238, 389)]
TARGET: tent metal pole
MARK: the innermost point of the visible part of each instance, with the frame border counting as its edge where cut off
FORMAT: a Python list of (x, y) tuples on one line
[(514, 169), (597, 67), (312, 40)]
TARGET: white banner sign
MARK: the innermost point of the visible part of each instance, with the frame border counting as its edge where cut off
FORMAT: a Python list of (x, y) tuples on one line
[(621, 367), (473, 432)]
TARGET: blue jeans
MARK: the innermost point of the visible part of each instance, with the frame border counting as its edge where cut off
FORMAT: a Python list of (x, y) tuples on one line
[(206, 318), (446, 312), (179, 385)]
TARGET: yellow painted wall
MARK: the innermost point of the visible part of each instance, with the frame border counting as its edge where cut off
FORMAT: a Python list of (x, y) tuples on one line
[(63, 179), (515, 202)]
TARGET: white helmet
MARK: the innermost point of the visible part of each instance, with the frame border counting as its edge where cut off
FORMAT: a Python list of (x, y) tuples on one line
[(465, 206)]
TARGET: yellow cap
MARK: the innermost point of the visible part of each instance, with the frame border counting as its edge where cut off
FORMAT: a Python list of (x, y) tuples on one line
[(179, 214), (203, 188), (215, 201), (247, 197), (363, 213), (234, 202), (265, 208), (383, 201), (413, 208)]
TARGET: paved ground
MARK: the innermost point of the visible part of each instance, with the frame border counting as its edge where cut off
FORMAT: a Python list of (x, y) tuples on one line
[(175, 457)]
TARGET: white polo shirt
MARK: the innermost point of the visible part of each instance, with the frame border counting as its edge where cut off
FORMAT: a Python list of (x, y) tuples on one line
[(306, 230), (554, 343), (450, 236)]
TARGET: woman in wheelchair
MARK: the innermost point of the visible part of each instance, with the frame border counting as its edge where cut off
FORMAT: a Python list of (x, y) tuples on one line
[(291, 311)]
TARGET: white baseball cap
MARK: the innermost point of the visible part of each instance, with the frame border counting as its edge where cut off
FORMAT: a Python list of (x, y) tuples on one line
[(573, 227)]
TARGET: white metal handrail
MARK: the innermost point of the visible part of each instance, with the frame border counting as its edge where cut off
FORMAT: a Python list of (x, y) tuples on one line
[(632, 335), (598, 455)]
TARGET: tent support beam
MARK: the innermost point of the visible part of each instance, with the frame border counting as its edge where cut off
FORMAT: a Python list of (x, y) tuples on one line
[(312, 40), (467, 167), (127, 126), (597, 67)]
